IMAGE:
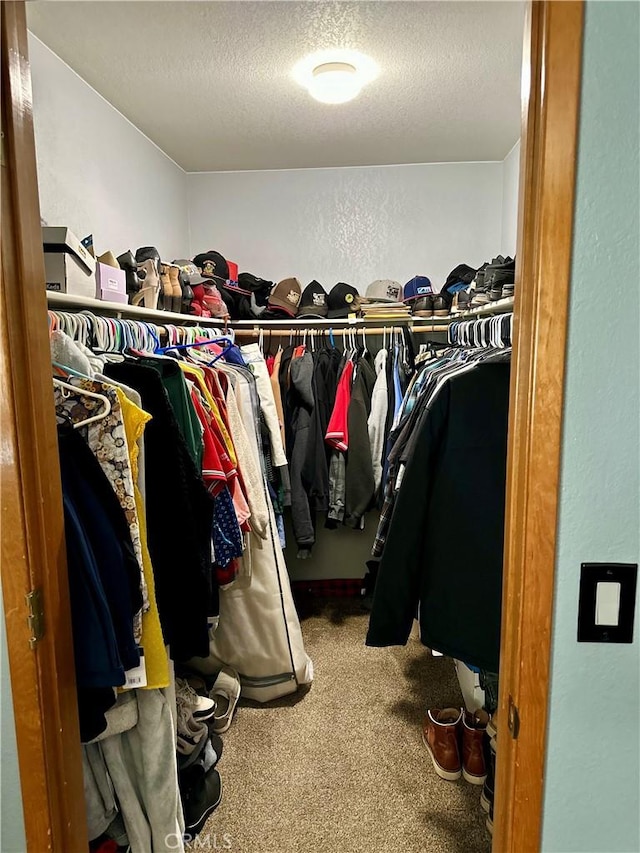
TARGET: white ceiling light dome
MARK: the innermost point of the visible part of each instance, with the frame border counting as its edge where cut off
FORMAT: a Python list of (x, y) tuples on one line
[(335, 76)]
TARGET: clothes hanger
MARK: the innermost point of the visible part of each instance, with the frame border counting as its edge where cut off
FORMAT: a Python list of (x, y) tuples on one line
[(83, 392), (226, 342)]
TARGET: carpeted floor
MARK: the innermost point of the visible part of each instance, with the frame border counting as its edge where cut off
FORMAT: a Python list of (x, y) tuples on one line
[(342, 769)]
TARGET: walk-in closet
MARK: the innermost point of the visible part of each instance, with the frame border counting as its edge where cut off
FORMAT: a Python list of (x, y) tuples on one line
[(283, 283)]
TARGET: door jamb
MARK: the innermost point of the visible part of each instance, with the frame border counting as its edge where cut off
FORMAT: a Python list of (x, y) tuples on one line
[(33, 551), (43, 680), (551, 90)]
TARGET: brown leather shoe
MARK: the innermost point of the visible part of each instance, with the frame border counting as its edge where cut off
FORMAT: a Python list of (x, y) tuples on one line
[(440, 736), (474, 727)]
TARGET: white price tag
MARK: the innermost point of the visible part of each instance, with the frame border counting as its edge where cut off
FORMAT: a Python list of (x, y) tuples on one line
[(137, 676)]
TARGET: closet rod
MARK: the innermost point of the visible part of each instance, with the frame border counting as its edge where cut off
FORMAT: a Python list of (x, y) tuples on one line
[(267, 330)]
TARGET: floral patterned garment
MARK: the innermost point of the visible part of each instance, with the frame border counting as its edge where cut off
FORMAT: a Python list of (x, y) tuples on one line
[(108, 441)]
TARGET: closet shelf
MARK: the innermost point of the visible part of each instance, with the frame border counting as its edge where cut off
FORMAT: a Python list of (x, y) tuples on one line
[(99, 306), (66, 301), (502, 306)]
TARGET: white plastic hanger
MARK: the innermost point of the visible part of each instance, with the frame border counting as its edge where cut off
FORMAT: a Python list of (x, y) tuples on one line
[(83, 392)]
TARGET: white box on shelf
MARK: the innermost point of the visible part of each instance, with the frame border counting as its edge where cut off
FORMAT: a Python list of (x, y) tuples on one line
[(69, 268), (111, 284)]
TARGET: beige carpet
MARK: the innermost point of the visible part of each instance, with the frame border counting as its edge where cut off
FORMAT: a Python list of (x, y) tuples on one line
[(343, 769)]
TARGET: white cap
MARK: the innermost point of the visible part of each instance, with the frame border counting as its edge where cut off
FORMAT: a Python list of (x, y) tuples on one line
[(384, 290)]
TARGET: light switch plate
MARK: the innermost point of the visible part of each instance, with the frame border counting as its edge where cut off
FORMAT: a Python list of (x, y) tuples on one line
[(607, 602)]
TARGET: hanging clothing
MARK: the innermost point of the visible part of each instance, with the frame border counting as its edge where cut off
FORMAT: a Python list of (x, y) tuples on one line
[(377, 418), (274, 378), (301, 404), (255, 360), (107, 439), (440, 556), (258, 632), (104, 585), (179, 517), (152, 642), (359, 484), (337, 435)]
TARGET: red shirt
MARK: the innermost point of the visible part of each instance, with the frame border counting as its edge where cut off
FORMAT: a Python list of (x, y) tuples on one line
[(338, 432)]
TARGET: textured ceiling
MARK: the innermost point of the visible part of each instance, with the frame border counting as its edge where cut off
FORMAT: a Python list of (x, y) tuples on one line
[(210, 82)]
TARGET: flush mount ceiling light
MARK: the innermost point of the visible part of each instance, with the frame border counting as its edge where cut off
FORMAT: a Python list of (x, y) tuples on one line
[(335, 76)]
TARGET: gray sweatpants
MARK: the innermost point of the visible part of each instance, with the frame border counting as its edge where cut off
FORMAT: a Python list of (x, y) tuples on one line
[(141, 764)]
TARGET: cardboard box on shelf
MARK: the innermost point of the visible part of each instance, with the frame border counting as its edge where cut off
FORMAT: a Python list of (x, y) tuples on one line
[(69, 268), (111, 284)]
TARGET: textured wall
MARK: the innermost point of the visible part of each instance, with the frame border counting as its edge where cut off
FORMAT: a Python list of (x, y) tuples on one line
[(593, 753), (350, 224), (510, 186), (97, 173)]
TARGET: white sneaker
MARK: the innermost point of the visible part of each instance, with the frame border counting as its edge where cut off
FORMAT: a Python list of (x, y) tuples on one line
[(225, 692), (200, 706)]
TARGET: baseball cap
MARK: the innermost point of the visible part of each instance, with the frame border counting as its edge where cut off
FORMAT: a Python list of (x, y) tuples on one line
[(212, 265), (419, 286), (256, 287), (190, 270), (286, 295), (313, 302), (343, 299), (384, 290)]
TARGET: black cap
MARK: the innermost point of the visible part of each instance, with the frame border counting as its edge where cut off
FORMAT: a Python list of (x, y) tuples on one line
[(212, 265), (259, 287), (343, 300), (313, 302)]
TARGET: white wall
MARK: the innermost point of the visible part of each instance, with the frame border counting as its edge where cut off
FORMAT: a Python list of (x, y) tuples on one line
[(592, 773), (97, 173), (510, 186), (350, 224)]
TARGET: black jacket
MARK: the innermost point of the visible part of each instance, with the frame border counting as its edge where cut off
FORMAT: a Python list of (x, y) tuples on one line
[(179, 519), (360, 484), (444, 549), (300, 405)]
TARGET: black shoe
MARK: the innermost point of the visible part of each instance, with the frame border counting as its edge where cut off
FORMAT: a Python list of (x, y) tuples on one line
[(440, 307), (497, 275), (200, 800), (422, 307), (507, 291), (129, 265), (187, 294), (479, 298), (488, 789), (146, 253)]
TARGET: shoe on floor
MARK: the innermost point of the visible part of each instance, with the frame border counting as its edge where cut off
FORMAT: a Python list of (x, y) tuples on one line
[(474, 729), (200, 801), (225, 692), (440, 736), (200, 706), (189, 753), (488, 789)]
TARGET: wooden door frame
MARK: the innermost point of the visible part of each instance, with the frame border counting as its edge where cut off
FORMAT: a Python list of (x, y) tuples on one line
[(33, 548), (32, 528), (551, 99)]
